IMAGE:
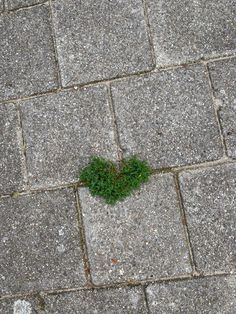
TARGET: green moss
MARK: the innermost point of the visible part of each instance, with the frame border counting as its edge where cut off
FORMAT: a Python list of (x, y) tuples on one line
[(104, 179)]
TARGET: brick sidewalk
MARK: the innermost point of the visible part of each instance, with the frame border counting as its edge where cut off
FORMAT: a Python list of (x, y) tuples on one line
[(116, 78)]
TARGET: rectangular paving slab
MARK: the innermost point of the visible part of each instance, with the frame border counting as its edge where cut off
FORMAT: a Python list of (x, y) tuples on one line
[(98, 40), (189, 30), (209, 201), (21, 306), (139, 238), (40, 244), (27, 62), (104, 301), (11, 151), (223, 75), (212, 295), (15, 4), (168, 117), (62, 131)]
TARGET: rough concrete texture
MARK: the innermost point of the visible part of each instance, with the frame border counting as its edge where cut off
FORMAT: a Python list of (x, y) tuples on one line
[(1, 6), (62, 131), (140, 238), (22, 306), (105, 301), (168, 118), (40, 244), (16, 4), (214, 295), (26, 39), (11, 154), (223, 75), (116, 78), (186, 30), (97, 40), (209, 201)]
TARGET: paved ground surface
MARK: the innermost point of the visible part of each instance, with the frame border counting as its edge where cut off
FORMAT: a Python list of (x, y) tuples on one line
[(116, 78)]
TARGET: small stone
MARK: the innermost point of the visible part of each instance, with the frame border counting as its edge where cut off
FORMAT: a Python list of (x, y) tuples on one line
[(209, 295), (209, 202), (19, 306)]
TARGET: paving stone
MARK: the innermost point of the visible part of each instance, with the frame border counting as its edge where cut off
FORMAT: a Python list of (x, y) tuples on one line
[(188, 30), (223, 75), (139, 238), (1, 6), (15, 4), (168, 117), (209, 201), (27, 63), (99, 40), (111, 301), (20, 306), (40, 245), (212, 295), (62, 131), (11, 161)]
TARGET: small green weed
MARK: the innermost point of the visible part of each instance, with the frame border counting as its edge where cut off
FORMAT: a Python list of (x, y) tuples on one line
[(104, 179)]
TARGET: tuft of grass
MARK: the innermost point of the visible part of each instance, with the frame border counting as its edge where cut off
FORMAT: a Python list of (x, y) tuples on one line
[(103, 178)]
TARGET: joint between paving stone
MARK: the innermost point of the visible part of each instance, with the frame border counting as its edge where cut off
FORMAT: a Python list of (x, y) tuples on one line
[(144, 284), (115, 126), (215, 59), (173, 170), (24, 7), (149, 32), (185, 225), (23, 148), (83, 240), (144, 287), (111, 80), (41, 302), (216, 108), (53, 34)]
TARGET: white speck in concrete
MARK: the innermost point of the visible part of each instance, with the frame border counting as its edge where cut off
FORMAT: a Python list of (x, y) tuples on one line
[(22, 307), (61, 231), (61, 248), (233, 152)]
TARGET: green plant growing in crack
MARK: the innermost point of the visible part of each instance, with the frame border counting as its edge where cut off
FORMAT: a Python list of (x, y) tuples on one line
[(104, 179)]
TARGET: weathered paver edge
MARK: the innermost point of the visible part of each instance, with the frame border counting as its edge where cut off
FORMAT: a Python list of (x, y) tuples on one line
[(149, 32), (24, 6), (115, 127), (54, 39), (23, 147), (184, 223), (83, 239), (220, 127)]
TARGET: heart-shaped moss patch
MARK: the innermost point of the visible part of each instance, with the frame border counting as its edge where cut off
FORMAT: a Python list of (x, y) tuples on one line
[(103, 178)]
